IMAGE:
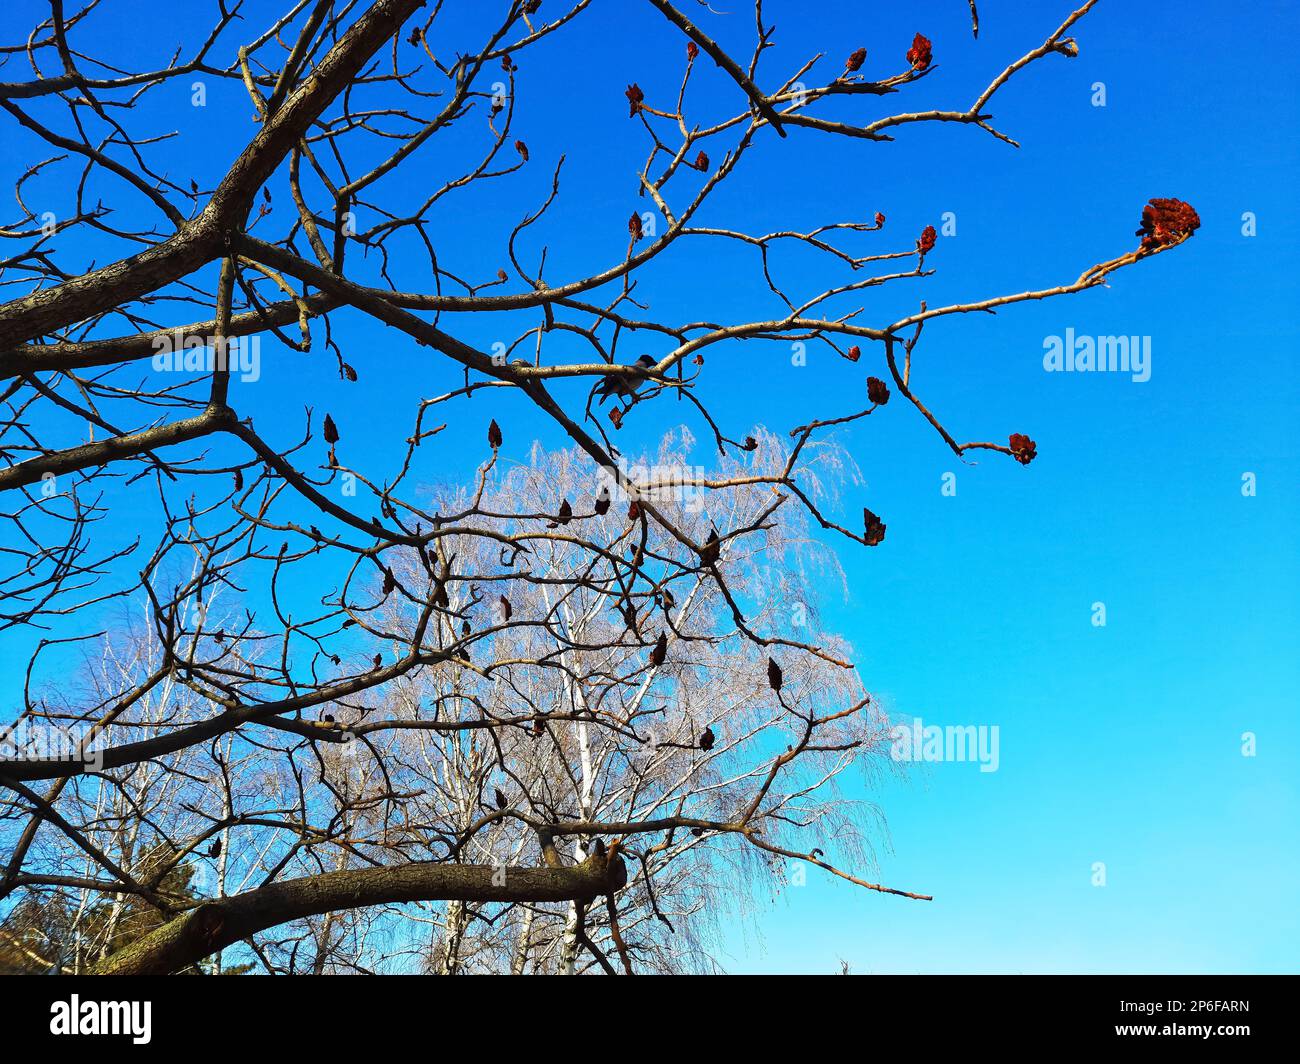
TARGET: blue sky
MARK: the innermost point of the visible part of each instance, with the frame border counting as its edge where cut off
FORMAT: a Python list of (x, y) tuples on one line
[(1119, 744)]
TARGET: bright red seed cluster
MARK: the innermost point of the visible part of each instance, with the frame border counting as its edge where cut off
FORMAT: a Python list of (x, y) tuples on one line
[(1023, 448), (1167, 221), (919, 54)]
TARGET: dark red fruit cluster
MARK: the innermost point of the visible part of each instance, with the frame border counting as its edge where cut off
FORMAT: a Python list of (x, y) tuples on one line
[(1023, 448), (873, 529), (919, 54), (1167, 221), (635, 98)]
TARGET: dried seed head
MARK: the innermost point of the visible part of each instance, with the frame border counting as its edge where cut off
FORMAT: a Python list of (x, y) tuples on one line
[(919, 55), (873, 528), (1023, 448), (635, 98)]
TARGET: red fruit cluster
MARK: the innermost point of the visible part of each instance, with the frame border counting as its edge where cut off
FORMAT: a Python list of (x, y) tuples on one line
[(919, 54), (855, 61), (928, 238), (1167, 221), (692, 50), (635, 98), (880, 218), (877, 391), (1023, 448), (853, 353)]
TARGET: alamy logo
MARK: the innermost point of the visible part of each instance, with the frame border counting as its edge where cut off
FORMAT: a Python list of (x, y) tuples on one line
[(102, 1017), (673, 482), (919, 741), (1098, 354), (28, 740), (177, 353)]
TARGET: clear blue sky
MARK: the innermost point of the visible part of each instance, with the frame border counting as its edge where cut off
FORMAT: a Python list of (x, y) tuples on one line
[(1118, 744)]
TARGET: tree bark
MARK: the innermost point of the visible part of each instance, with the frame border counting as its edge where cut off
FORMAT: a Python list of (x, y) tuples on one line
[(199, 241), (223, 922)]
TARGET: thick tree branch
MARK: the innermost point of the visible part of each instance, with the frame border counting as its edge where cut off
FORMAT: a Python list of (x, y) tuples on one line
[(217, 924)]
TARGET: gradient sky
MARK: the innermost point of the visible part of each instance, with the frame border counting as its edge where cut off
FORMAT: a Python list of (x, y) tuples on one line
[(1119, 744)]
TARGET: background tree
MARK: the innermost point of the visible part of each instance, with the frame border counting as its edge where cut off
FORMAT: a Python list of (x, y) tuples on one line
[(531, 724)]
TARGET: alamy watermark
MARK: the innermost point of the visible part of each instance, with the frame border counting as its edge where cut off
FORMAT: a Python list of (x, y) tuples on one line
[(178, 353), (660, 483), (919, 741), (29, 740), (1098, 354), (77, 1017)]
